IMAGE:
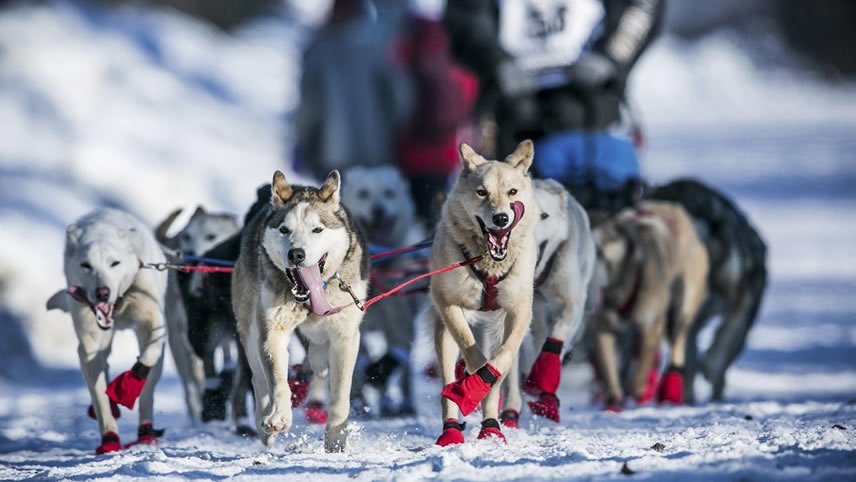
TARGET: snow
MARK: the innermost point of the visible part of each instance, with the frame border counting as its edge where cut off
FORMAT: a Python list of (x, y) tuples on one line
[(149, 110)]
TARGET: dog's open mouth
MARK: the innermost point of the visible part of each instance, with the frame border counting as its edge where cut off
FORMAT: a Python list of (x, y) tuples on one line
[(307, 286), (103, 311), (497, 239)]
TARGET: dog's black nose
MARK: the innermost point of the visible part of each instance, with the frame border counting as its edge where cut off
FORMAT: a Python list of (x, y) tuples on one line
[(500, 219), (296, 255), (102, 293)]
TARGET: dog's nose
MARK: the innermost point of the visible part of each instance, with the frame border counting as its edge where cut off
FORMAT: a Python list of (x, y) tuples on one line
[(378, 212), (500, 219), (102, 293), (296, 255)]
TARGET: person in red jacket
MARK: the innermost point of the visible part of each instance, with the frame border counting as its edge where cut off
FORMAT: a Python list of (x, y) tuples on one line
[(445, 98)]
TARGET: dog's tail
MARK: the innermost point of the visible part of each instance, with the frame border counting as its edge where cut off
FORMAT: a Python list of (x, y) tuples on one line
[(163, 227), (59, 301)]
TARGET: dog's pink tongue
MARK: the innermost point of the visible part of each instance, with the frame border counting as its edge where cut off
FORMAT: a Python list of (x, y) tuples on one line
[(311, 277), (106, 311)]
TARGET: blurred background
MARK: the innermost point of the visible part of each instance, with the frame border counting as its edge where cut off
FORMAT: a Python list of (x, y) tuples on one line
[(153, 105)]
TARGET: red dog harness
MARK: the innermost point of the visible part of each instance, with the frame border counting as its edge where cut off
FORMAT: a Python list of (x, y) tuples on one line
[(490, 293)]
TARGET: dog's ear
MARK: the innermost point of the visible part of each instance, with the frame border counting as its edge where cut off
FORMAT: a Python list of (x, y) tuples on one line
[(72, 234), (329, 191), (469, 158), (200, 211), (163, 227), (522, 157), (280, 190)]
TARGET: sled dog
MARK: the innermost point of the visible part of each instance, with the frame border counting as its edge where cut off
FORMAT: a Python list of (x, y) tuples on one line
[(565, 264), (378, 198), (490, 213), (203, 231), (652, 271), (300, 257), (108, 290), (736, 282)]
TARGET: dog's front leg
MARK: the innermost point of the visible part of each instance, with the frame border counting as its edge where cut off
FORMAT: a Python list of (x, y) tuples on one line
[(607, 361), (275, 362), (517, 321), (342, 361), (456, 325), (150, 337), (646, 373), (93, 350)]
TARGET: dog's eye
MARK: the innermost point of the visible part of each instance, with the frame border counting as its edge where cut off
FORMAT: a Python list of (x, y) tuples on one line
[(512, 192), (86, 266), (284, 230), (317, 230), (481, 193), (544, 215), (210, 237), (389, 193), (363, 194), (114, 264)]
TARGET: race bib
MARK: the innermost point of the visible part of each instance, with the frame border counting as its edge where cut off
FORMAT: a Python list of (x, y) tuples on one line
[(548, 34)]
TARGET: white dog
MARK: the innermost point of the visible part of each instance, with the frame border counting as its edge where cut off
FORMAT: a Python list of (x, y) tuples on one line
[(107, 289)]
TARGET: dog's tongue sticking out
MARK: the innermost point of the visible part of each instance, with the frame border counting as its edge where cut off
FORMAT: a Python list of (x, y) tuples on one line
[(103, 311), (311, 278), (106, 312), (496, 239)]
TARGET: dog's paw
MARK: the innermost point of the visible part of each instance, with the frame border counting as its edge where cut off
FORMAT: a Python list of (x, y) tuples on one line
[(336, 438), (278, 421)]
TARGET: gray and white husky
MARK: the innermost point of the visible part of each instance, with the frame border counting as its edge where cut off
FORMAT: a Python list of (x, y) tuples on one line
[(299, 257), (108, 290)]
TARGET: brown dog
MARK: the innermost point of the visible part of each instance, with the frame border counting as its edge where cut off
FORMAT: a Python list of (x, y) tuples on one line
[(652, 273)]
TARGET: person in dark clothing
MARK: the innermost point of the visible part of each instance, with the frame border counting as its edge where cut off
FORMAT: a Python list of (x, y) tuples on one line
[(555, 71)]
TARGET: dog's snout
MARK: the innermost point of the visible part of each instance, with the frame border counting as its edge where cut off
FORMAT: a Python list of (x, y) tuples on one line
[(102, 293), (296, 255), (500, 219), (378, 212)]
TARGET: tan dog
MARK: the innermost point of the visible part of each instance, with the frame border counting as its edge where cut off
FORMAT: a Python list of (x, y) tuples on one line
[(652, 272), (491, 212)]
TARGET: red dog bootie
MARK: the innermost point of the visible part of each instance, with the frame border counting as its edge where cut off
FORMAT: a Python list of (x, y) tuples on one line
[(126, 388), (114, 409), (546, 373), (490, 428), (546, 406), (510, 418), (672, 386), (315, 413), (469, 392), (298, 383), (146, 435), (653, 377), (453, 433), (109, 443)]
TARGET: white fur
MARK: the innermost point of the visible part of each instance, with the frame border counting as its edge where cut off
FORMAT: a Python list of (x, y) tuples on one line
[(100, 239)]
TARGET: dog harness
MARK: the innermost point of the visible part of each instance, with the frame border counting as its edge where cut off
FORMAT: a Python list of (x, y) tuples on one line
[(490, 293)]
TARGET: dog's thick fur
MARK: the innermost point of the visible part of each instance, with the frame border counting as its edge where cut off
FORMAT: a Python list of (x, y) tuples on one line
[(104, 249), (653, 270), (264, 299), (203, 231), (566, 260), (737, 279), (483, 190), (378, 197)]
